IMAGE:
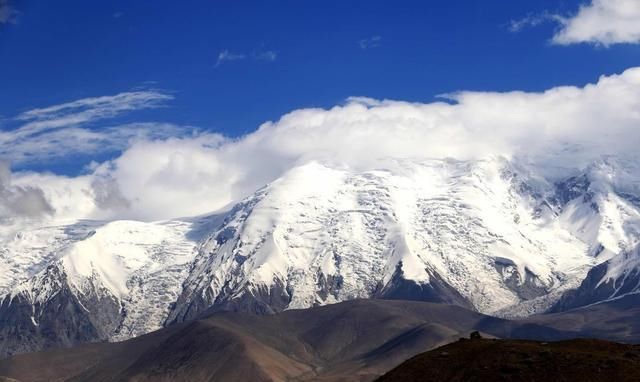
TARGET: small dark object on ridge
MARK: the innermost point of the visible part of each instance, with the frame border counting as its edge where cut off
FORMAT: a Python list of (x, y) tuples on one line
[(475, 335)]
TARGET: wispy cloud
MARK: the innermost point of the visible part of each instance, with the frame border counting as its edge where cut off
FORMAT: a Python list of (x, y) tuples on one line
[(73, 141), (371, 42), (91, 109), (533, 20), (227, 56), (68, 129), (8, 13), (259, 55), (268, 55)]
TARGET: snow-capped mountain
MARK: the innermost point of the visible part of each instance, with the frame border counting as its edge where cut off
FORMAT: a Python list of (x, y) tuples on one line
[(486, 234), (321, 235), (493, 235)]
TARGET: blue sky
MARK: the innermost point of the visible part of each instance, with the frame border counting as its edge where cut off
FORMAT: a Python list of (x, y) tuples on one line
[(65, 50), (134, 106)]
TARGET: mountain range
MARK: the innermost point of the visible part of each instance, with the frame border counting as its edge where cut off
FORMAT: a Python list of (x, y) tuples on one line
[(498, 237)]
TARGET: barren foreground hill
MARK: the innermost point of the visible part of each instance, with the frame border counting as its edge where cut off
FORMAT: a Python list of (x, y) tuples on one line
[(513, 360)]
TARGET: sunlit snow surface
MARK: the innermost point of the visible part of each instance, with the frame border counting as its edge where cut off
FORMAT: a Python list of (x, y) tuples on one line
[(503, 236)]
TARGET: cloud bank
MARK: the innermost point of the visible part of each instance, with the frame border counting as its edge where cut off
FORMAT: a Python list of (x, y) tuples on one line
[(562, 128)]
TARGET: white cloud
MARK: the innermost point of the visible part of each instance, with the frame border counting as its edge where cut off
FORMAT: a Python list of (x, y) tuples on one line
[(68, 197), (371, 42), (602, 22), (564, 127), (20, 202)]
